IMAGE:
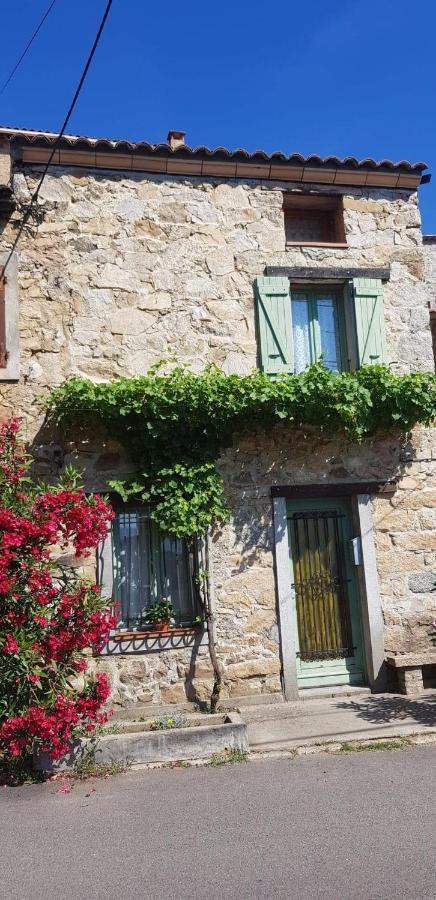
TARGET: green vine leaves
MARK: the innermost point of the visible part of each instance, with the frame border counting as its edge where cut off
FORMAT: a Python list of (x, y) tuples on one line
[(175, 426)]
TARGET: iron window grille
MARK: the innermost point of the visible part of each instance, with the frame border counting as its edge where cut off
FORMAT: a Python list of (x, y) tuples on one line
[(149, 567)]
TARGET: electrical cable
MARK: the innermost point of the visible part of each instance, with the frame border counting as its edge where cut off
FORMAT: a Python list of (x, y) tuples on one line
[(59, 137), (27, 47)]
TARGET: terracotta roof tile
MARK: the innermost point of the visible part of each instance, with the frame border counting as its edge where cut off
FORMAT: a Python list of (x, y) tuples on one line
[(107, 145)]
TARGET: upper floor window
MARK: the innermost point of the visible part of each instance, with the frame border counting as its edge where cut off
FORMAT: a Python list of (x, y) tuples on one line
[(148, 568), (317, 326), (297, 326), (314, 220)]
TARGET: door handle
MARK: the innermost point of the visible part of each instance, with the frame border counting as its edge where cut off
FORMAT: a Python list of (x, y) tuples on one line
[(356, 550)]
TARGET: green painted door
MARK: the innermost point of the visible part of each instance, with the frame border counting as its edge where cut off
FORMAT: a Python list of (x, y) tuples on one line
[(326, 605)]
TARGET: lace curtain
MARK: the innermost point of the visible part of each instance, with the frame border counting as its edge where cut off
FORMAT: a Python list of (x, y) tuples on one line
[(315, 332)]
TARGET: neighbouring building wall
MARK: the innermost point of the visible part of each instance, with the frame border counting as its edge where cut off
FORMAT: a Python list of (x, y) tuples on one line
[(429, 244), (126, 269)]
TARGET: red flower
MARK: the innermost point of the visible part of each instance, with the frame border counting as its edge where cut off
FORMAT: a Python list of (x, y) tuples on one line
[(10, 645), (47, 619)]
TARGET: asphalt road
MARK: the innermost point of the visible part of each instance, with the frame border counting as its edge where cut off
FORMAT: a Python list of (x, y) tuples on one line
[(358, 825)]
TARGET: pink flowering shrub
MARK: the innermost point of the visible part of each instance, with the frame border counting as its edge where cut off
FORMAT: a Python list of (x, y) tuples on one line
[(48, 614)]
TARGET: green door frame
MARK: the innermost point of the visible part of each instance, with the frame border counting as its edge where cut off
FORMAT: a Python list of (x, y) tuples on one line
[(371, 611), (349, 670)]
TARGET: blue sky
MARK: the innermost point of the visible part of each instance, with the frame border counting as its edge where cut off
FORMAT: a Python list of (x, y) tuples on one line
[(349, 78)]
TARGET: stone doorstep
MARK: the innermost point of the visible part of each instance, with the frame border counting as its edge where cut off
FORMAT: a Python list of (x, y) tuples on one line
[(154, 711), (339, 690), (142, 748)]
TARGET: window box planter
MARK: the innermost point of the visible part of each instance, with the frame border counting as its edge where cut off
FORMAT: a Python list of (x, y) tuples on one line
[(154, 631)]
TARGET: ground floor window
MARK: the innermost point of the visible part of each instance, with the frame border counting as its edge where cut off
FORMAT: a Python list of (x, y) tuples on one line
[(149, 568)]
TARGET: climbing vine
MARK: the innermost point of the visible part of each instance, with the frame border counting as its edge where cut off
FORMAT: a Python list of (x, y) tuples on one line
[(175, 426)]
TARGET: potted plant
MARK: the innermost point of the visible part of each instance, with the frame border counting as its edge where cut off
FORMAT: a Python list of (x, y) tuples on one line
[(159, 616)]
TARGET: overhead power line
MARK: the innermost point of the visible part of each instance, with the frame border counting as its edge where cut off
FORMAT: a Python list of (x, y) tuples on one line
[(27, 47), (59, 137)]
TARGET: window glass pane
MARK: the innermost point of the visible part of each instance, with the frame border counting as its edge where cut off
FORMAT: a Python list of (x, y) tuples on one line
[(131, 547), (176, 575), (301, 335), (147, 568), (329, 332)]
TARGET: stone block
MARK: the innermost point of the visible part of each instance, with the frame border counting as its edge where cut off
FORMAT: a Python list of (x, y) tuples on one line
[(422, 582), (261, 620), (410, 681), (146, 696), (220, 262), (421, 540), (242, 689), (160, 302), (131, 321), (173, 693), (228, 196), (115, 277), (133, 670), (253, 668)]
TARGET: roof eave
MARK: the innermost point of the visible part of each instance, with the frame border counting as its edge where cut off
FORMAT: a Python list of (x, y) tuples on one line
[(75, 150)]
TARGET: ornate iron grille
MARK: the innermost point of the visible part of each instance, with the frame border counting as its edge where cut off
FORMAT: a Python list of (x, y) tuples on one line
[(320, 586)]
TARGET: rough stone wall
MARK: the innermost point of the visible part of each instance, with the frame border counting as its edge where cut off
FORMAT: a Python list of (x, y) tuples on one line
[(405, 531), (405, 534), (128, 268)]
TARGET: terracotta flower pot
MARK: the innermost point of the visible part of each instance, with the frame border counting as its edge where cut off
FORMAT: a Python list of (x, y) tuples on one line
[(162, 627)]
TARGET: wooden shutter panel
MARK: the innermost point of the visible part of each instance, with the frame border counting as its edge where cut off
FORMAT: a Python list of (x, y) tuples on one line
[(273, 306), (367, 296), (3, 348)]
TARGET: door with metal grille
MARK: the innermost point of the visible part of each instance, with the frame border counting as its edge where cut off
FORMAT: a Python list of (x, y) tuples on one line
[(325, 593)]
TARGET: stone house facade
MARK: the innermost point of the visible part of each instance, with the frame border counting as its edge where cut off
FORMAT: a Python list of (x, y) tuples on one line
[(138, 253)]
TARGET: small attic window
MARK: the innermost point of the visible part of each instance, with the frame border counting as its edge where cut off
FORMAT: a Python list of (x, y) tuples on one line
[(314, 220)]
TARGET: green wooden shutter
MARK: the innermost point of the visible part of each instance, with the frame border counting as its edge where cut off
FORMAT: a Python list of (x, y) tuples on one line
[(370, 325), (273, 305)]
